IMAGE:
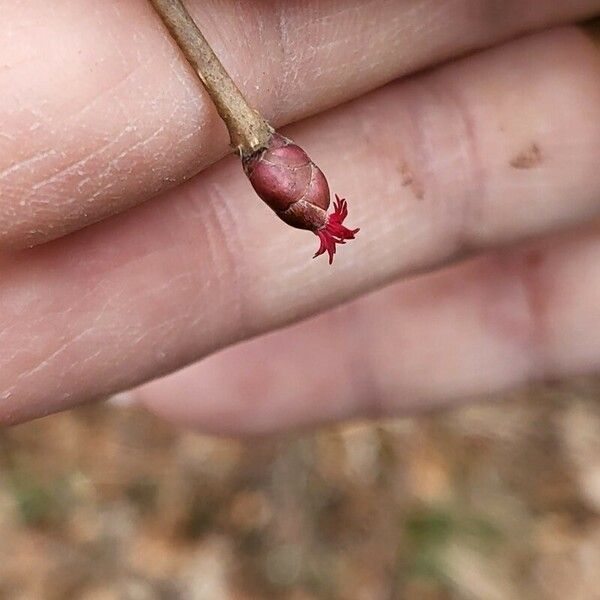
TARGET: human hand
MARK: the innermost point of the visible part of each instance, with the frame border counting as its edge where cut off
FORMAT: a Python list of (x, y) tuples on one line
[(99, 112)]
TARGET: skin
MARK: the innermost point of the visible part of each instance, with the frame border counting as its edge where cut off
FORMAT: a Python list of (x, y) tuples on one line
[(489, 162)]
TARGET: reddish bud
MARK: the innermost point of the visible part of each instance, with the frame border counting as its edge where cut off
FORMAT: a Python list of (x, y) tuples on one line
[(295, 188)]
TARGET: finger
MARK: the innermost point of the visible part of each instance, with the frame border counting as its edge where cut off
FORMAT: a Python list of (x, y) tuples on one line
[(111, 115), (469, 332), (207, 265)]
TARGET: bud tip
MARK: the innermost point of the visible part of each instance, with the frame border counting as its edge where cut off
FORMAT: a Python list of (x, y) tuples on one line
[(334, 232)]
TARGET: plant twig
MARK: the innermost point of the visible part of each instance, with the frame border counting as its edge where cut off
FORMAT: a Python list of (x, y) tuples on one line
[(248, 130), (281, 172)]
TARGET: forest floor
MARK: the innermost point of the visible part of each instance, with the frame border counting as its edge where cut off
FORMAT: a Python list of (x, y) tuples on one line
[(485, 502)]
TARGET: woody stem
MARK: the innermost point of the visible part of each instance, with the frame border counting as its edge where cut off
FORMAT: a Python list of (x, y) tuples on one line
[(248, 130)]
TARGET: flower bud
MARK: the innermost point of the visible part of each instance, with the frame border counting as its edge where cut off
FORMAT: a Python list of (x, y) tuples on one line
[(290, 183)]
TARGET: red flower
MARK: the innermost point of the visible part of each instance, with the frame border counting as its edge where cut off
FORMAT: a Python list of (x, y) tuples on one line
[(295, 188), (334, 232)]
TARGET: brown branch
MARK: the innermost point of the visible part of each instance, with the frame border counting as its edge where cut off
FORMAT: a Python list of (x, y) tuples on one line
[(248, 130)]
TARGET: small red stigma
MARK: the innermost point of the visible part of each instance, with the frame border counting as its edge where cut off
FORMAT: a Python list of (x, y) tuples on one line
[(334, 232)]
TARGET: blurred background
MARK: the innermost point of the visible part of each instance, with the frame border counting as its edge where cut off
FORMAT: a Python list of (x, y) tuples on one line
[(487, 502)]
